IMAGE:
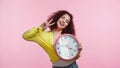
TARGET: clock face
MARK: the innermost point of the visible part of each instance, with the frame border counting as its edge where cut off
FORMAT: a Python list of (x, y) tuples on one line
[(66, 47)]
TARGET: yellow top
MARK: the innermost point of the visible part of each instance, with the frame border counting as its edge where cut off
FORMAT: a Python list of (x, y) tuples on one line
[(44, 39)]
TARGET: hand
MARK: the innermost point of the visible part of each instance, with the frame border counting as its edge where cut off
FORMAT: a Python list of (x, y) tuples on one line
[(47, 24), (79, 48), (78, 55)]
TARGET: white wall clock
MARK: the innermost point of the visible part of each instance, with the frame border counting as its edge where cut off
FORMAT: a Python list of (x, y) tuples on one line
[(66, 47)]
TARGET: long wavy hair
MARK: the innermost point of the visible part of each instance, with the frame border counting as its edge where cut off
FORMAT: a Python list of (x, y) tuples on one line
[(56, 15)]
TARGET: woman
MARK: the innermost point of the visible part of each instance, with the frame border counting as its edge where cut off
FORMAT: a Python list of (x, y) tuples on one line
[(60, 22)]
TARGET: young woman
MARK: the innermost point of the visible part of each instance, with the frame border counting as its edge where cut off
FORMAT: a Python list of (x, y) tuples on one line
[(60, 22)]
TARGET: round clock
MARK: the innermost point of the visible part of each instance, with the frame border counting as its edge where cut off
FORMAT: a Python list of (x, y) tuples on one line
[(66, 46)]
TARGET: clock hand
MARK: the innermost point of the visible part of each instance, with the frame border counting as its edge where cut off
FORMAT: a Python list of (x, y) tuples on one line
[(69, 47)]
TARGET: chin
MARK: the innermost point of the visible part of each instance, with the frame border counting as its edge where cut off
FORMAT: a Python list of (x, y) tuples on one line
[(62, 27)]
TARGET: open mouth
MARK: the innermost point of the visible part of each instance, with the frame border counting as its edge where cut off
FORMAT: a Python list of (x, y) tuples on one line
[(62, 23)]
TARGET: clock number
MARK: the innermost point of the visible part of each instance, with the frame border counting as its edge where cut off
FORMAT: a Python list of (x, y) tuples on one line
[(75, 50), (65, 37), (73, 41), (58, 48), (71, 54), (59, 52)]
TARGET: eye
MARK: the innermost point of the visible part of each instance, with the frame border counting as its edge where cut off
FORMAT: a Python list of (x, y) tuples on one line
[(63, 17), (67, 21)]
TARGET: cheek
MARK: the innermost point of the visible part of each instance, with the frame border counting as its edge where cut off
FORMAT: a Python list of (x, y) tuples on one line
[(58, 21)]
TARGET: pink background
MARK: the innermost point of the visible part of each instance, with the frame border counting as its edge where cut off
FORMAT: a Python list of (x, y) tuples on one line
[(97, 24)]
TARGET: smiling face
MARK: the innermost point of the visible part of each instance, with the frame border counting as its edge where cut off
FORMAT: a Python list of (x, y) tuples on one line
[(63, 21)]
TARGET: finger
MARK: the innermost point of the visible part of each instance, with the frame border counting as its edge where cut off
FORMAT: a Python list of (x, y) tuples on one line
[(79, 50), (52, 24), (50, 21)]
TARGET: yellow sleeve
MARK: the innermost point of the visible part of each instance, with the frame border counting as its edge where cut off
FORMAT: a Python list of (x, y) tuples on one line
[(29, 34)]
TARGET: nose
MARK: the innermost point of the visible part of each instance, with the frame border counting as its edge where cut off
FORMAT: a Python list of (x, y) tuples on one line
[(64, 21)]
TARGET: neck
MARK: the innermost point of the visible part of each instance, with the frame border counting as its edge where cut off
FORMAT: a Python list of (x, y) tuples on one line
[(57, 31)]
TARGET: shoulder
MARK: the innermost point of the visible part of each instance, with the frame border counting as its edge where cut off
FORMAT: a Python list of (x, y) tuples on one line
[(46, 34)]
